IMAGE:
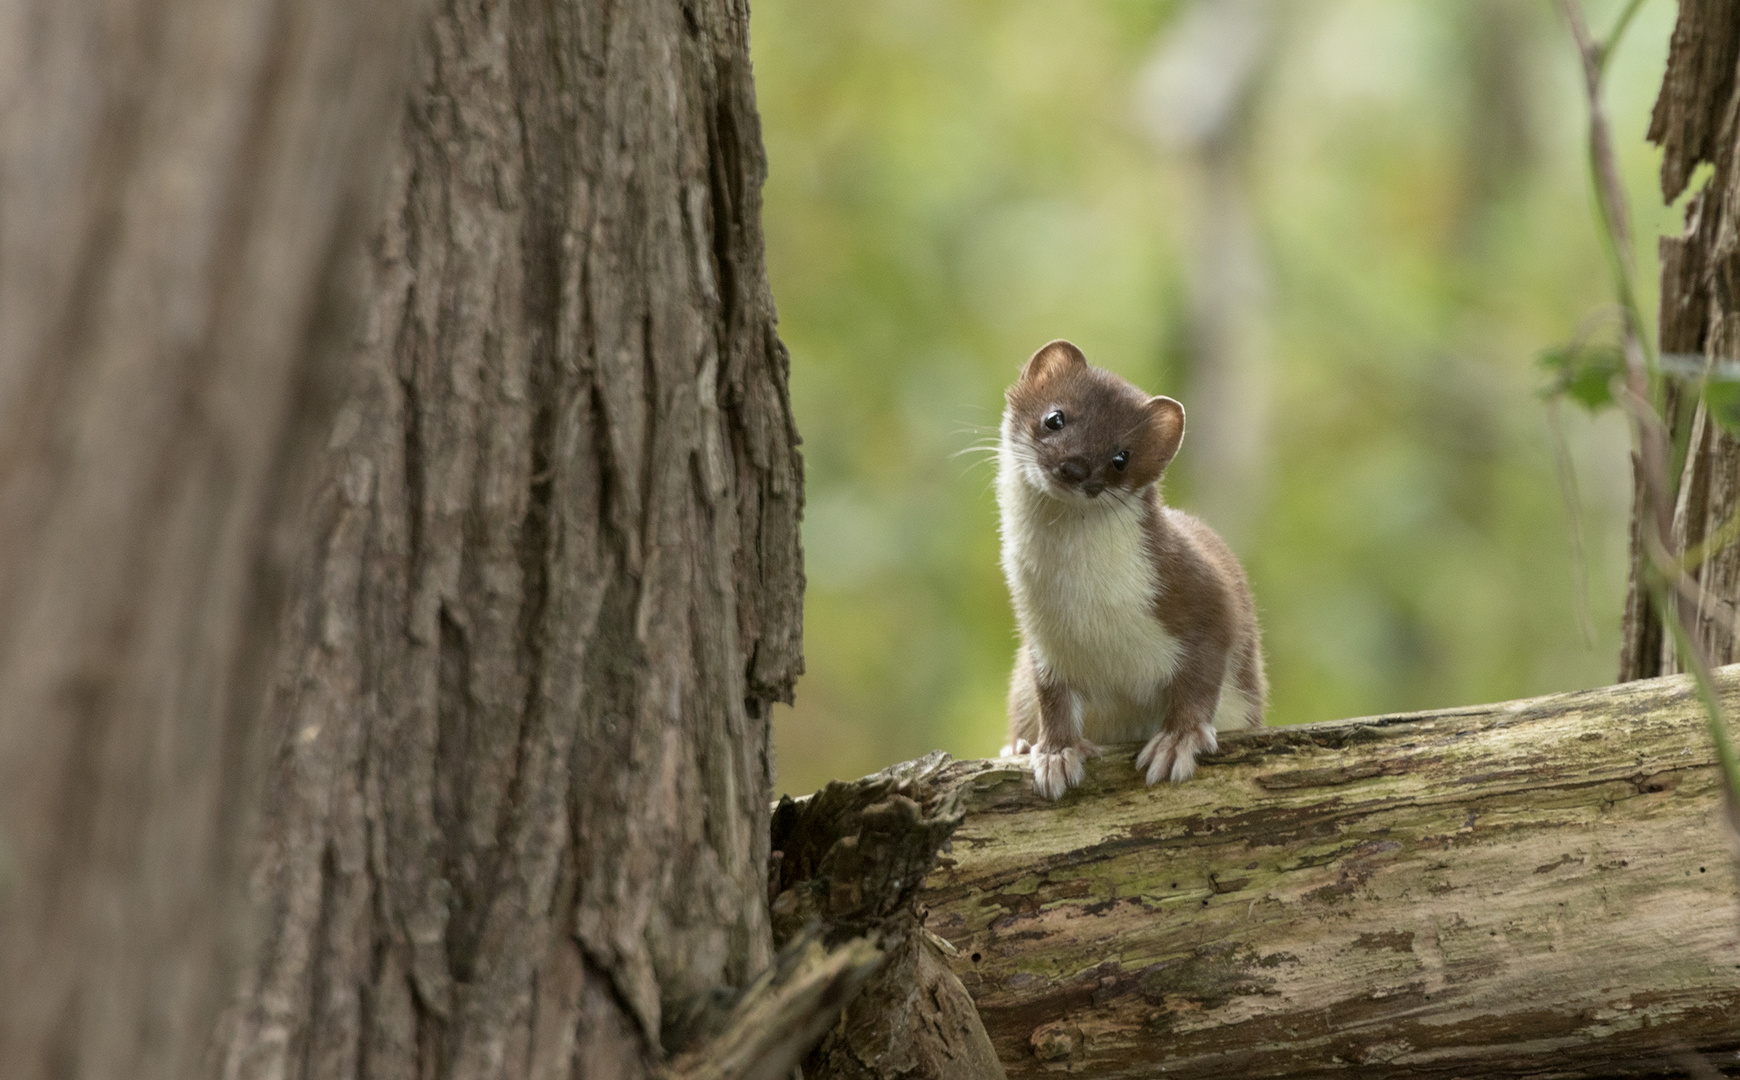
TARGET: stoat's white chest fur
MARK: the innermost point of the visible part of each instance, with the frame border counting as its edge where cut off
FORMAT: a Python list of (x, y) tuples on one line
[(1084, 588)]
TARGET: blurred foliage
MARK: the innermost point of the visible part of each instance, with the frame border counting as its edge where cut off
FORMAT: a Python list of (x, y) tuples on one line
[(954, 182), (1584, 372)]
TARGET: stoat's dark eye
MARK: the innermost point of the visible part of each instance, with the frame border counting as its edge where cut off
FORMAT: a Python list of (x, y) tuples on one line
[(1054, 420), (1120, 459)]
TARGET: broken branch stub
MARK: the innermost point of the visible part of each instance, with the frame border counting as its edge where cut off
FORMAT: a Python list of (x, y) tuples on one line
[(849, 860)]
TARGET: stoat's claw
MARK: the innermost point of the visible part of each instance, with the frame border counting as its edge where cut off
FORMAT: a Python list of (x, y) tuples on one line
[(1056, 771), (1172, 754)]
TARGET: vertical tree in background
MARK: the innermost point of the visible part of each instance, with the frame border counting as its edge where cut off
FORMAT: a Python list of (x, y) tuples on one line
[(518, 818), (1200, 94), (180, 183), (1693, 123), (1496, 47)]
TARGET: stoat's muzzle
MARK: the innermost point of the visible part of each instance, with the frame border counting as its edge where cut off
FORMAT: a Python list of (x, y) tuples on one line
[(1074, 472)]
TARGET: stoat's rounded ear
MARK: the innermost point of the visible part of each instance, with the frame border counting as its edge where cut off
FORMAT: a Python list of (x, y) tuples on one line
[(1052, 358), (1167, 419)]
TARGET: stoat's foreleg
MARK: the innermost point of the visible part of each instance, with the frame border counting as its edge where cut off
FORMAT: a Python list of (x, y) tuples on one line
[(1188, 728), (1060, 753)]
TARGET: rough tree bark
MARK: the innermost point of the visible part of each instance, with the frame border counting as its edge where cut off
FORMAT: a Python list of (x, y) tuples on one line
[(1539, 888), (1694, 123), (179, 184), (518, 822)]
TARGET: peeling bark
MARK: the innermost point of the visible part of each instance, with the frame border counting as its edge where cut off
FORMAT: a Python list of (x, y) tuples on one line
[(850, 860), (519, 815), (1694, 123)]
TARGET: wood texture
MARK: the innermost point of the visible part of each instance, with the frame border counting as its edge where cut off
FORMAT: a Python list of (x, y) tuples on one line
[(519, 816), (783, 1015), (180, 183), (1694, 124), (849, 861), (1536, 888), (1688, 122)]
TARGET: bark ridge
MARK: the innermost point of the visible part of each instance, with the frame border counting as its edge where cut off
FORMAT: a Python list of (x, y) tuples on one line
[(1696, 122), (520, 809), (180, 185)]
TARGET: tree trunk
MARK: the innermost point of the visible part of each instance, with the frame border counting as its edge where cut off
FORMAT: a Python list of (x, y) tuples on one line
[(1700, 314), (1536, 888), (179, 185), (519, 815), (1201, 92)]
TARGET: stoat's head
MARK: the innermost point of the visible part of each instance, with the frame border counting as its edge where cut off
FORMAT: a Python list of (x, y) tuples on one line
[(1076, 432)]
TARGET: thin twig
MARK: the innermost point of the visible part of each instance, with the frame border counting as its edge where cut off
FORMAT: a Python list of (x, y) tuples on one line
[(1573, 500), (1661, 573), (1691, 653), (1696, 555), (1600, 135), (1692, 592), (1613, 38), (1616, 231)]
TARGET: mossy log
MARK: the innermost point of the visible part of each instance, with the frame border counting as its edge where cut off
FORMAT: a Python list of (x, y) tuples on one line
[(1540, 888)]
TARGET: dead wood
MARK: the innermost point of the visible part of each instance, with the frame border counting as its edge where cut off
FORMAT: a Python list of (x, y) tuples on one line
[(1537, 888), (850, 860), (784, 1014)]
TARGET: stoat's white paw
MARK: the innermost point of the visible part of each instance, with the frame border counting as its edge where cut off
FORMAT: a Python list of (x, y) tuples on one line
[(1056, 771), (1016, 748), (1172, 754)]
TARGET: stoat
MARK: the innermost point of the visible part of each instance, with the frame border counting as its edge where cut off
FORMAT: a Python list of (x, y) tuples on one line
[(1136, 620)]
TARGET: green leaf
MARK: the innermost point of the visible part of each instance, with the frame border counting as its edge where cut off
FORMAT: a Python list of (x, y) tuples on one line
[(1583, 373), (1722, 400)]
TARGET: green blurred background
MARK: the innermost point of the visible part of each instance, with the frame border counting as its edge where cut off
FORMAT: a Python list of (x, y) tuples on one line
[(1340, 231)]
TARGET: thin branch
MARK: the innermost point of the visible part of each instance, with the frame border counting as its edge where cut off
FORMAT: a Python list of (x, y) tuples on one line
[(1573, 500), (1616, 231), (1652, 444), (1613, 39), (1601, 157), (1691, 653), (1652, 438), (1662, 574), (1690, 591), (1696, 555)]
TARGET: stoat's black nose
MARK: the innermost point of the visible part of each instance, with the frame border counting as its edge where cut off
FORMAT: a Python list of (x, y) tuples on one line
[(1072, 471)]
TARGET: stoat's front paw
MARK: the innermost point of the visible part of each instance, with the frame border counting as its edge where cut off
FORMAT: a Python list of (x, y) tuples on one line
[(1018, 748), (1172, 754), (1055, 771)]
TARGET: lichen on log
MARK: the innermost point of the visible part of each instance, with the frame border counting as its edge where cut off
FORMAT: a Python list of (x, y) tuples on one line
[(1539, 887)]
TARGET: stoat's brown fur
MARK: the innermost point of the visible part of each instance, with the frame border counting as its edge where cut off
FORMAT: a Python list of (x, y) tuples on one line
[(1136, 620)]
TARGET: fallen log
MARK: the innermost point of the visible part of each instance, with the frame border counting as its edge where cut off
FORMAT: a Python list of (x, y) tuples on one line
[(1539, 888), (783, 1015)]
